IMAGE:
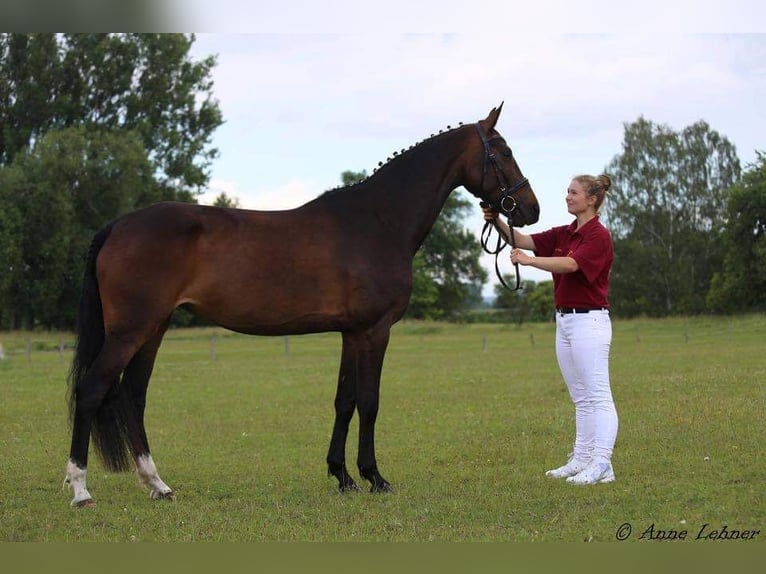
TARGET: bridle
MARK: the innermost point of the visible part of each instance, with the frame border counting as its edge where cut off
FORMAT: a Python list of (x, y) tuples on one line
[(505, 205)]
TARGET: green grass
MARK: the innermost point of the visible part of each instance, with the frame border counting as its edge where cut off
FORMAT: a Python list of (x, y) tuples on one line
[(470, 418)]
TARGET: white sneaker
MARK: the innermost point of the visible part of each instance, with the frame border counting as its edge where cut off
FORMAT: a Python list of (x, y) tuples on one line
[(571, 468), (594, 473)]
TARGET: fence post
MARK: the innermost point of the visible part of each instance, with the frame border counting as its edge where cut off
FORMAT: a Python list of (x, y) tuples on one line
[(29, 350), (532, 339), (484, 344)]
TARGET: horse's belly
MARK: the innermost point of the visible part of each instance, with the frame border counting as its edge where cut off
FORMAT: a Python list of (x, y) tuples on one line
[(282, 310)]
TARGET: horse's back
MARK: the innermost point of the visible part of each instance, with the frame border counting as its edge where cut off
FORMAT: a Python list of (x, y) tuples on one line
[(170, 219)]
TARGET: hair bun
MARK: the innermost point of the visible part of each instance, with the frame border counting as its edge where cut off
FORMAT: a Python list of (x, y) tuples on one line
[(605, 181)]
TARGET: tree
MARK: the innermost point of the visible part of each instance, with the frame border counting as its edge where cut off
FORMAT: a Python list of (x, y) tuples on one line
[(533, 302), (666, 213), (516, 303), (424, 300), (540, 300), (223, 200), (741, 284), (349, 177), (41, 246), (10, 238), (29, 82), (144, 83), (64, 190)]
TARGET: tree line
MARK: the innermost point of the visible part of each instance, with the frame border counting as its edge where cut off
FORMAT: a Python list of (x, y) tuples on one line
[(96, 125), (687, 225)]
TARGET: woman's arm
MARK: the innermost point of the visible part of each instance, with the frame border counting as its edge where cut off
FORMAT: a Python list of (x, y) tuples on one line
[(550, 264)]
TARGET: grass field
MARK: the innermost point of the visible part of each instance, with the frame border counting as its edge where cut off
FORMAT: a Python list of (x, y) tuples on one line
[(470, 418)]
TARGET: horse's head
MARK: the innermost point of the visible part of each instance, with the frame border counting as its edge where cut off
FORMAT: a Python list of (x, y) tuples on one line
[(492, 174)]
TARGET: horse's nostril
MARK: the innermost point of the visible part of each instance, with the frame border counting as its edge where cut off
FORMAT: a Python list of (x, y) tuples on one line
[(534, 213)]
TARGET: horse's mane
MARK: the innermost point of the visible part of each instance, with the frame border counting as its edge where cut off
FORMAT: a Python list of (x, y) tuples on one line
[(392, 160)]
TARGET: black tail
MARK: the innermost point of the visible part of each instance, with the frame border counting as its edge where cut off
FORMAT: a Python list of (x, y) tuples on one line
[(110, 425)]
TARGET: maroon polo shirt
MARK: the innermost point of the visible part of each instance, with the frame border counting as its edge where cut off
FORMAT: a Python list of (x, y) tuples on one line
[(591, 247)]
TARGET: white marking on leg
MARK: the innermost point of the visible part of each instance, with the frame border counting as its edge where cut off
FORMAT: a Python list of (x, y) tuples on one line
[(75, 479), (147, 475)]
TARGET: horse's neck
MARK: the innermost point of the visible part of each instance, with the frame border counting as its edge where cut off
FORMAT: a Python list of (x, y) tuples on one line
[(409, 193)]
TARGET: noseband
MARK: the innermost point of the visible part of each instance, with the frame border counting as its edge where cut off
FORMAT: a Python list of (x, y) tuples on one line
[(505, 205)]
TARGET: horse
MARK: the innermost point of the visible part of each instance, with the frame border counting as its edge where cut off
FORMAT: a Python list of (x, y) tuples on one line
[(347, 268)]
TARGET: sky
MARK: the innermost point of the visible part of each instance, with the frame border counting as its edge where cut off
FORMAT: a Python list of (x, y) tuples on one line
[(343, 84)]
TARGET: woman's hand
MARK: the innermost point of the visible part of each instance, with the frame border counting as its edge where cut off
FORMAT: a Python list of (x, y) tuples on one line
[(518, 256), (489, 214)]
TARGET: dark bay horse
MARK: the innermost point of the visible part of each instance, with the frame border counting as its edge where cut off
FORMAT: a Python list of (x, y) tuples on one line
[(347, 268)]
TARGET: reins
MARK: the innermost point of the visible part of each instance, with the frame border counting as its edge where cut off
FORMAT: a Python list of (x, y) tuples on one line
[(486, 233), (501, 207)]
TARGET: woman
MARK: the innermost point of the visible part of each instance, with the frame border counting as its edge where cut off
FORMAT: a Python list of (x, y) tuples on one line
[(580, 257)]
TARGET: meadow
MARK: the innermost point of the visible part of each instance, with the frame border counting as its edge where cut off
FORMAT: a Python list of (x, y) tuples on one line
[(471, 416)]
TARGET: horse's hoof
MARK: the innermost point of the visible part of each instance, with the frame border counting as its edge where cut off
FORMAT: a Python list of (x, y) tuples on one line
[(87, 503), (349, 487), (381, 487), (157, 495)]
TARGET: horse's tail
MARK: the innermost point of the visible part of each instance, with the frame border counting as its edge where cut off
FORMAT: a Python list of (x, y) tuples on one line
[(109, 429)]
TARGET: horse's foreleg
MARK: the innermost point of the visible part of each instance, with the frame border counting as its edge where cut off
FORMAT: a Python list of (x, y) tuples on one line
[(345, 403), (371, 349)]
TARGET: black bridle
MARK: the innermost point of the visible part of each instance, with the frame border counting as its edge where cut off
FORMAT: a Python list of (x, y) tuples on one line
[(505, 205)]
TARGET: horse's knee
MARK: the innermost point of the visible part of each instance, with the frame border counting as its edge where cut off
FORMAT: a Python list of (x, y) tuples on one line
[(88, 399), (368, 407), (344, 412)]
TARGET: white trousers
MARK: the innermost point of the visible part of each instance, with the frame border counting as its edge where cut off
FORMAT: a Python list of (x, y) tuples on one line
[(582, 349)]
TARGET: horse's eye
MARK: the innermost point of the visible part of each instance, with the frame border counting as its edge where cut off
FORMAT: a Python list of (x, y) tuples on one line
[(507, 153)]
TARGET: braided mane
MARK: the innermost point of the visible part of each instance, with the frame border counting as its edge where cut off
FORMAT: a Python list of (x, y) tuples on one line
[(396, 155)]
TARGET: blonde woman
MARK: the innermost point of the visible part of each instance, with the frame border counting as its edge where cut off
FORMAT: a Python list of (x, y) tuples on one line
[(579, 256)]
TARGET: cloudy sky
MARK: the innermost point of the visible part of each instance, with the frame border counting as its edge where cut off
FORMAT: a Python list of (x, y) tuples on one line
[(340, 88)]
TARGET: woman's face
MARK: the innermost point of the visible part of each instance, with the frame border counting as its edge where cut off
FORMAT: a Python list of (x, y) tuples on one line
[(578, 201)]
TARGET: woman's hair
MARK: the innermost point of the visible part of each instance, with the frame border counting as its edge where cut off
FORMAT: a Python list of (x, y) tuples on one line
[(596, 185)]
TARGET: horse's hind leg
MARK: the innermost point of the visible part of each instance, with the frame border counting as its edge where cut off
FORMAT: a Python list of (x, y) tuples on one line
[(98, 401), (345, 404), (136, 377)]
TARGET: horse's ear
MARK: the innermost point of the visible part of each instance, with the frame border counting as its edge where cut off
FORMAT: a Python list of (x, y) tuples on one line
[(491, 120)]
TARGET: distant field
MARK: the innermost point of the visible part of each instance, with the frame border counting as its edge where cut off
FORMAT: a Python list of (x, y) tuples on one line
[(470, 418)]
